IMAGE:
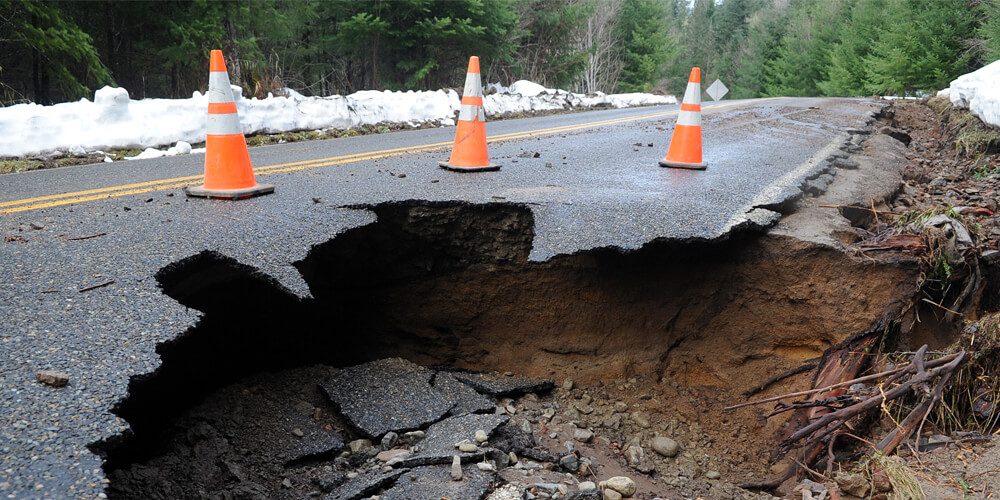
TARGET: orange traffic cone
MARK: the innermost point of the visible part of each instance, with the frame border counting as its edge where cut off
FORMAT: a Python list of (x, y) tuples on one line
[(685, 145), (228, 173), (469, 153)]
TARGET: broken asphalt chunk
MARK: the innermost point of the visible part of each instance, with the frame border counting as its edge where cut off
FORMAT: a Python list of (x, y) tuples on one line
[(387, 395), (496, 384), (364, 485), (466, 399), (439, 445), (435, 482)]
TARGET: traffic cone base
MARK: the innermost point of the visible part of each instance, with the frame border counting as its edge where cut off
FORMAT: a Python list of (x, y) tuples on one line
[(228, 171), (455, 168), (677, 164), (228, 194)]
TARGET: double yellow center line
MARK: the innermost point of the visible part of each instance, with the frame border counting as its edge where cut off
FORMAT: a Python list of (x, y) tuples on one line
[(55, 200)]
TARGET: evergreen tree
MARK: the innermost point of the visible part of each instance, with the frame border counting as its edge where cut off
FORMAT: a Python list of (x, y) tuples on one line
[(764, 32), (846, 74), (645, 43), (989, 31), (61, 53), (922, 48), (803, 57)]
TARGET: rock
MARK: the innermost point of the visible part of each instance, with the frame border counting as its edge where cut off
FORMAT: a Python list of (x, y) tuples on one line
[(881, 482), (390, 455), (583, 435), (526, 427), (621, 484), (359, 445), (569, 462), (612, 495), (287, 483), (713, 474), (640, 419), (298, 432), (634, 454), (665, 446), (568, 384), (621, 407), (387, 395), (389, 440), (512, 457), (456, 468), (587, 486), (498, 385), (414, 437), (467, 447), (485, 466), (52, 378), (852, 484), (481, 436)]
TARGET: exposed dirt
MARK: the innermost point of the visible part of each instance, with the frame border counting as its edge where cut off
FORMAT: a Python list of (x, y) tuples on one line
[(674, 331), (953, 166)]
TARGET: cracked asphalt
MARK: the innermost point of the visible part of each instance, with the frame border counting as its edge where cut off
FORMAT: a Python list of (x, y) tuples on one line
[(588, 187)]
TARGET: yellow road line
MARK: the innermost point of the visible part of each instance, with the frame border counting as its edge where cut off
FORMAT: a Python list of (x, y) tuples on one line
[(87, 195)]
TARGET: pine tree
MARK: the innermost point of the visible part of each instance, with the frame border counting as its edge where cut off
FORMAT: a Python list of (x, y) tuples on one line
[(922, 47), (989, 31), (764, 32), (645, 43), (846, 74), (803, 58)]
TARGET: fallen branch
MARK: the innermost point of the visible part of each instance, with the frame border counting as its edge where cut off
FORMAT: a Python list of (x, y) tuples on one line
[(78, 238), (94, 287), (922, 373), (866, 378)]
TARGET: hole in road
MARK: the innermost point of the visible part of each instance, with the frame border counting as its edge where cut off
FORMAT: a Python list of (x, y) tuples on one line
[(656, 342)]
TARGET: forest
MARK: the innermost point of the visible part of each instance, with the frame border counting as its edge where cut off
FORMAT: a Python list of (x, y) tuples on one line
[(59, 51)]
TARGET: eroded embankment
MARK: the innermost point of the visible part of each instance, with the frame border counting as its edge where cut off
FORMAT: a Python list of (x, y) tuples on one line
[(450, 285)]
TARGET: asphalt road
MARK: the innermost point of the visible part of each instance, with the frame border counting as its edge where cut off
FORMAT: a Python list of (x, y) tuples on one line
[(595, 183)]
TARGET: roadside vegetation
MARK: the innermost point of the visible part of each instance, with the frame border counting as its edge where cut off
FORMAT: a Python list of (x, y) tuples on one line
[(60, 51)]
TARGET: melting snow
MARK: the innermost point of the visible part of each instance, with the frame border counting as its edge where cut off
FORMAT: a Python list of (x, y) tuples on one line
[(113, 120)]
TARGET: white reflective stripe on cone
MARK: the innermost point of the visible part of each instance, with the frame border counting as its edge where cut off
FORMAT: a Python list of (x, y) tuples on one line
[(692, 95), (470, 111), (473, 85), (219, 89), (689, 118), (226, 124)]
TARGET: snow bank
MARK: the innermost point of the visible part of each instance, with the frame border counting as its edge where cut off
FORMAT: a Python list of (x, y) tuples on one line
[(112, 120), (978, 91)]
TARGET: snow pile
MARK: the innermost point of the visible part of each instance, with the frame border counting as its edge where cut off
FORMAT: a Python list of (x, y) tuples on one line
[(978, 91), (112, 120)]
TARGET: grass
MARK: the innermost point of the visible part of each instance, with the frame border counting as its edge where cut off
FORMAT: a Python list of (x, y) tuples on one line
[(940, 104), (919, 217), (904, 484), (975, 140)]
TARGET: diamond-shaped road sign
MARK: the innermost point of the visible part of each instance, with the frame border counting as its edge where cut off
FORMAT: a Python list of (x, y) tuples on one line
[(717, 90)]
